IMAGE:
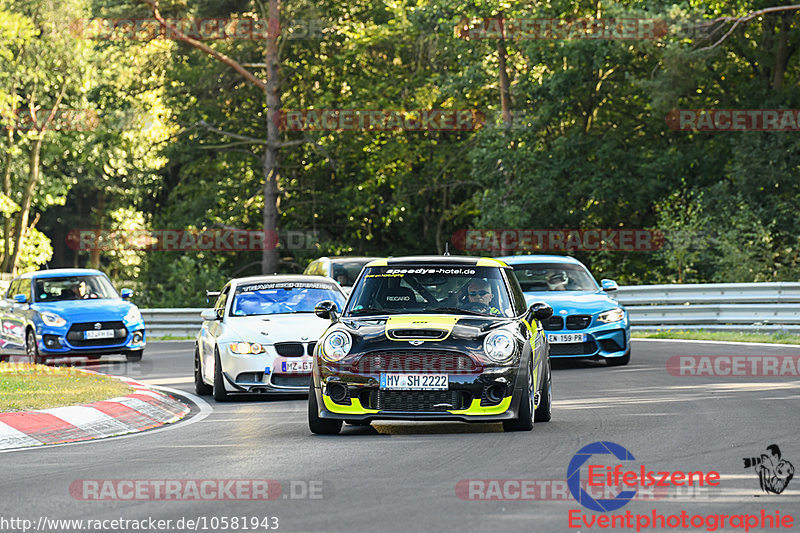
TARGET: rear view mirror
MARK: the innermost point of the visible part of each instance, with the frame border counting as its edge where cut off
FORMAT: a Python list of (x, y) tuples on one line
[(126, 293), (609, 285), (327, 310), (540, 310), (20, 298), (210, 314)]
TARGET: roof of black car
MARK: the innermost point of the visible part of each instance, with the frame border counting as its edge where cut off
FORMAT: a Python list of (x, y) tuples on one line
[(438, 260)]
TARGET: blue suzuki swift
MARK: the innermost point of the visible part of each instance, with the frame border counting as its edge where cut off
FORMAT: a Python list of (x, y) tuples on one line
[(69, 313), (586, 321)]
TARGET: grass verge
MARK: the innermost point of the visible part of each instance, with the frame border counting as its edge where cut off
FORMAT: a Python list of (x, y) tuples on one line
[(730, 336), (26, 387)]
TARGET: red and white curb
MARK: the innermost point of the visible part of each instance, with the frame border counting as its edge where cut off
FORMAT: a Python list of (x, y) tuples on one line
[(143, 409)]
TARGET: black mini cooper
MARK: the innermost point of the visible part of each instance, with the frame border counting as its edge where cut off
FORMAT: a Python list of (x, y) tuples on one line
[(432, 338)]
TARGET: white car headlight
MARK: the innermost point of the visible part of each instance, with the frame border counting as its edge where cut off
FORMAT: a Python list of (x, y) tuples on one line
[(499, 346), (244, 348), (52, 319), (336, 345), (133, 315), (612, 315)]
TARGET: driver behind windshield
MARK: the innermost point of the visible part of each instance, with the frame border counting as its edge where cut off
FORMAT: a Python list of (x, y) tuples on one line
[(80, 291), (480, 292)]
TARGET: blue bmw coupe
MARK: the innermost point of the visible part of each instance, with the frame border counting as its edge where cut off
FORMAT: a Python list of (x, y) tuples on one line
[(586, 321), (69, 313)]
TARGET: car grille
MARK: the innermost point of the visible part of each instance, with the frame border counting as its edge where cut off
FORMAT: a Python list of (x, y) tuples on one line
[(421, 361), (578, 348), (416, 401), (554, 323), (250, 377), (434, 334), (310, 348), (609, 345), (75, 334), (280, 380), (289, 349), (578, 321)]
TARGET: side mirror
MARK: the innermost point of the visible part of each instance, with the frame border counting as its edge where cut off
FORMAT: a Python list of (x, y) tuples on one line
[(609, 285), (327, 310), (540, 310), (210, 314), (126, 293), (20, 298)]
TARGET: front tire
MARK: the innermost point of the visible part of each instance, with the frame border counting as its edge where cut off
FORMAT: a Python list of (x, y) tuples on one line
[(200, 386), (619, 361), (317, 425), (524, 420), (220, 394), (32, 349), (133, 356), (544, 409)]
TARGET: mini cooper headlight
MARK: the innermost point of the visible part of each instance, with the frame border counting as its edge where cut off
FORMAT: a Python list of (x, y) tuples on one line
[(52, 319), (336, 345), (612, 315), (499, 346), (244, 348), (133, 315)]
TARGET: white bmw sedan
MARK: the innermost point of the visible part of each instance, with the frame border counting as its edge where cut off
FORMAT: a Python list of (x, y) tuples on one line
[(260, 335)]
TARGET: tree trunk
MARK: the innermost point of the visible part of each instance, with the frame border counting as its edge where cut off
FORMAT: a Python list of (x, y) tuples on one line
[(27, 199), (270, 257), (7, 192), (99, 214)]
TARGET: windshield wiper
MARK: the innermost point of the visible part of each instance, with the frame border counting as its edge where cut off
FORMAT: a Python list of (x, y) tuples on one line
[(459, 311), (371, 311)]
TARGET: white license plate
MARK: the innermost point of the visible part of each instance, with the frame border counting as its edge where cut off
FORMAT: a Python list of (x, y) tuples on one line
[(297, 366), (415, 381), (98, 334), (565, 338)]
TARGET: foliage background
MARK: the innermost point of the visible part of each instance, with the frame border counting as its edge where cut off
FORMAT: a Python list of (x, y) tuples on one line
[(589, 146)]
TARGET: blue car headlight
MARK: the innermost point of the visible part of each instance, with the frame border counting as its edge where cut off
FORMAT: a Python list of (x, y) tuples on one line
[(52, 319), (612, 315), (133, 316)]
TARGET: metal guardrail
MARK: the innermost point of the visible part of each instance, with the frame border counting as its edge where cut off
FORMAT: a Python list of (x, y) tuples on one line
[(764, 307)]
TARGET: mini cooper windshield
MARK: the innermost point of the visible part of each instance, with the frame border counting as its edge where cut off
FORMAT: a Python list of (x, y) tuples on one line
[(282, 297), (431, 289)]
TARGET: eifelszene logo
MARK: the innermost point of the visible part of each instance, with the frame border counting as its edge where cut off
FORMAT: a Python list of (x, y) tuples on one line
[(774, 473), (574, 477)]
